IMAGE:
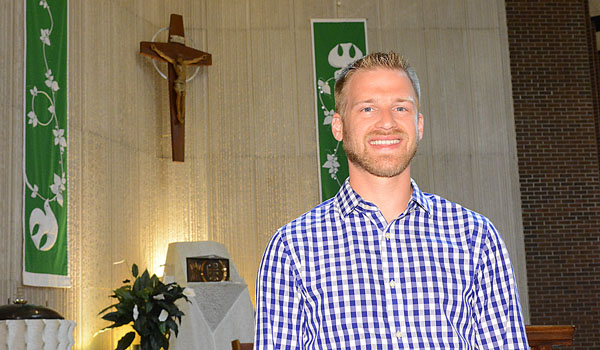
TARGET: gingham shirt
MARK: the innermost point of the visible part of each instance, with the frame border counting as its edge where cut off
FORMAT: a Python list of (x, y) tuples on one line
[(341, 277)]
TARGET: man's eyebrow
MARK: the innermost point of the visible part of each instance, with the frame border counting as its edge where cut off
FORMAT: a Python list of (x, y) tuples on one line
[(367, 100), (396, 100), (408, 99)]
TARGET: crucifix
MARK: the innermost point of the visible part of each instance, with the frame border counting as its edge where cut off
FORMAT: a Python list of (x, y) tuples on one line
[(178, 56)]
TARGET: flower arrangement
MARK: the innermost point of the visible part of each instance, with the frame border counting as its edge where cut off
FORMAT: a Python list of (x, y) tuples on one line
[(150, 305)]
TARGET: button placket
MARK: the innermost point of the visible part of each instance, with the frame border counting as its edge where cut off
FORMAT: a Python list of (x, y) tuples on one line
[(397, 245)]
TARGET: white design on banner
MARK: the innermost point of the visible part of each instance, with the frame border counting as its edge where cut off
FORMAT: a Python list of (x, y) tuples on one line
[(46, 226), (350, 53)]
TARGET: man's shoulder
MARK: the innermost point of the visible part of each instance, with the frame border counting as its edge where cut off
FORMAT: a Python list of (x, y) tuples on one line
[(446, 209), (312, 218)]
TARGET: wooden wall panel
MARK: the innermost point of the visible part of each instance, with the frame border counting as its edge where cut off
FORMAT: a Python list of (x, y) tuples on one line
[(251, 159)]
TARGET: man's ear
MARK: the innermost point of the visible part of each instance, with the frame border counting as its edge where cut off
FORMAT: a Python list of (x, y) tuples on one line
[(420, 125), (337, 127)]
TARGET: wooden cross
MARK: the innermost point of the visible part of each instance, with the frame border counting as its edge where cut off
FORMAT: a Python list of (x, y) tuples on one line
[(178, 56)]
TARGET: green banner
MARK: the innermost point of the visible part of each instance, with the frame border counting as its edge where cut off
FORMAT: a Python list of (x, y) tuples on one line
[(45, 253), (336, 43)]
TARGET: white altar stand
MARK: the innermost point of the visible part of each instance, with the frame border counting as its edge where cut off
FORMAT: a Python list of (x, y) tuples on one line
[(36, 334), (220, 312)]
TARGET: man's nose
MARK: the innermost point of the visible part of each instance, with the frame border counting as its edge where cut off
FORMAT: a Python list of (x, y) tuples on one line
[(386, 120)]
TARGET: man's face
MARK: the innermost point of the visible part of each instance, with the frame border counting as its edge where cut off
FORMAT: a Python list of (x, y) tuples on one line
[(380, 128)]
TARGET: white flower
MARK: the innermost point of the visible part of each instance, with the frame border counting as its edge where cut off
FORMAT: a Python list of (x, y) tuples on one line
[(324, 87), (34, 91), (332, 164), (50, 81), (328, 116), (163, 315), (59, 138), (136, 312), (58, 187), (34, 192), (159, 297), (44, 4), (52, 85), (51, 109), (45, 37), (189, 292), (33, 120)]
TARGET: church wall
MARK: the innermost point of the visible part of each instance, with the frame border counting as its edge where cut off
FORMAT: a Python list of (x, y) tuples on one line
[(251, 158)]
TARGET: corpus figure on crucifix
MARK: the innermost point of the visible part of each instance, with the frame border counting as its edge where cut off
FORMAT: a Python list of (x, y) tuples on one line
[(180, 65), (178, 56)]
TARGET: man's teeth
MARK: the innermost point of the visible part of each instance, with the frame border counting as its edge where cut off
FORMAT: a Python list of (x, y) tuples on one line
[(384, 142)]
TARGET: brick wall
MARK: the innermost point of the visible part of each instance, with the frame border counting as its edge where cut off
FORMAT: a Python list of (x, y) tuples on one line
[(555, 104)]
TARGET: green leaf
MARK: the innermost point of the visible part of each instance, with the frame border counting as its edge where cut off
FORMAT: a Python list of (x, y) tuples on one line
[(143, 294), (173, 326), (117, 324), (112, 316), (125, 341), (137, 285), (134, 270), (155, 341), (123, 293), (106, 309), (145, 278)]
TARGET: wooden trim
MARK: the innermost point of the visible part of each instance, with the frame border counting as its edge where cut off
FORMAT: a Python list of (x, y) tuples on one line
[(543, 337), (236, 345)]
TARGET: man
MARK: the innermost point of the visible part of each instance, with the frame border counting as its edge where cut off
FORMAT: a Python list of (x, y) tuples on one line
[(383, 265)]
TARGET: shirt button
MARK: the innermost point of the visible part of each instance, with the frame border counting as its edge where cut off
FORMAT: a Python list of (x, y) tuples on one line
[(387, 235), (392, 284), (398, 334)]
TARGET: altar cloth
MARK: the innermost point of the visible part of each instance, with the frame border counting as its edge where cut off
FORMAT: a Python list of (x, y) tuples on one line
[(220, 312)]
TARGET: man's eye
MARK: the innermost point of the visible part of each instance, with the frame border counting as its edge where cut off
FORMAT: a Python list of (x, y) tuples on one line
[(367, 109), (400, 109)]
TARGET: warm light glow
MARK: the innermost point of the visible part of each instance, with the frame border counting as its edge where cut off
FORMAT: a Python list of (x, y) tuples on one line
[(160, 270), (159, 257), (100, 331)]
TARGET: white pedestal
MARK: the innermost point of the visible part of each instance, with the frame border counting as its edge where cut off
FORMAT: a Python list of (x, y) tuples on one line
[(220, 312), (36, 334)]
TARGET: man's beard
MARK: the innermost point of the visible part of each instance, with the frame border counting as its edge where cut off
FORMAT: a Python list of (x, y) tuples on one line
[(382, 166)]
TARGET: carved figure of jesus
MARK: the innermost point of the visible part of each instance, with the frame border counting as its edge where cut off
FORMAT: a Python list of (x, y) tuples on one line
[(180, 66)]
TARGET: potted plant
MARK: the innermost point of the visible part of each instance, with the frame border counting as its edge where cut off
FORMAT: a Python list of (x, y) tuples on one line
[(149, 304)]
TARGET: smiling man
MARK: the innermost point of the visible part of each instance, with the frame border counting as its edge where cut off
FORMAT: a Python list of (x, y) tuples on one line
[(383, 265)]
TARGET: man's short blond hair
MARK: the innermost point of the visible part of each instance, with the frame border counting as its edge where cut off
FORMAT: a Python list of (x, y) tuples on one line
[(374, 60)]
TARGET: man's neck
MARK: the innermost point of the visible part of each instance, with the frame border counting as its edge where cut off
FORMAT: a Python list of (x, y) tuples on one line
[(390, 194)]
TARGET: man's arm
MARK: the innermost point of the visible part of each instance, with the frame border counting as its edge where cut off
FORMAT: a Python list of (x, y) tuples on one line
[(497, 310), (278, 300)]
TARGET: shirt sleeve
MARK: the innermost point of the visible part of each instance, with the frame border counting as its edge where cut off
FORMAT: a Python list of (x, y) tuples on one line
[(278, 299), (497, 311)]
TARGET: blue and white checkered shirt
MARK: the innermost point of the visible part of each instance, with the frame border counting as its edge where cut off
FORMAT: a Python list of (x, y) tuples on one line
[(341, 277)]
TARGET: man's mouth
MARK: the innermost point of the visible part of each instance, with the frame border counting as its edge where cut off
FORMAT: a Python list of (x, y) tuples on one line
[(384, 142)]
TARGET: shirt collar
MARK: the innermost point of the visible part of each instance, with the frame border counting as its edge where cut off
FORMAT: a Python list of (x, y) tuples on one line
[(347, 199), (420, 198)]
